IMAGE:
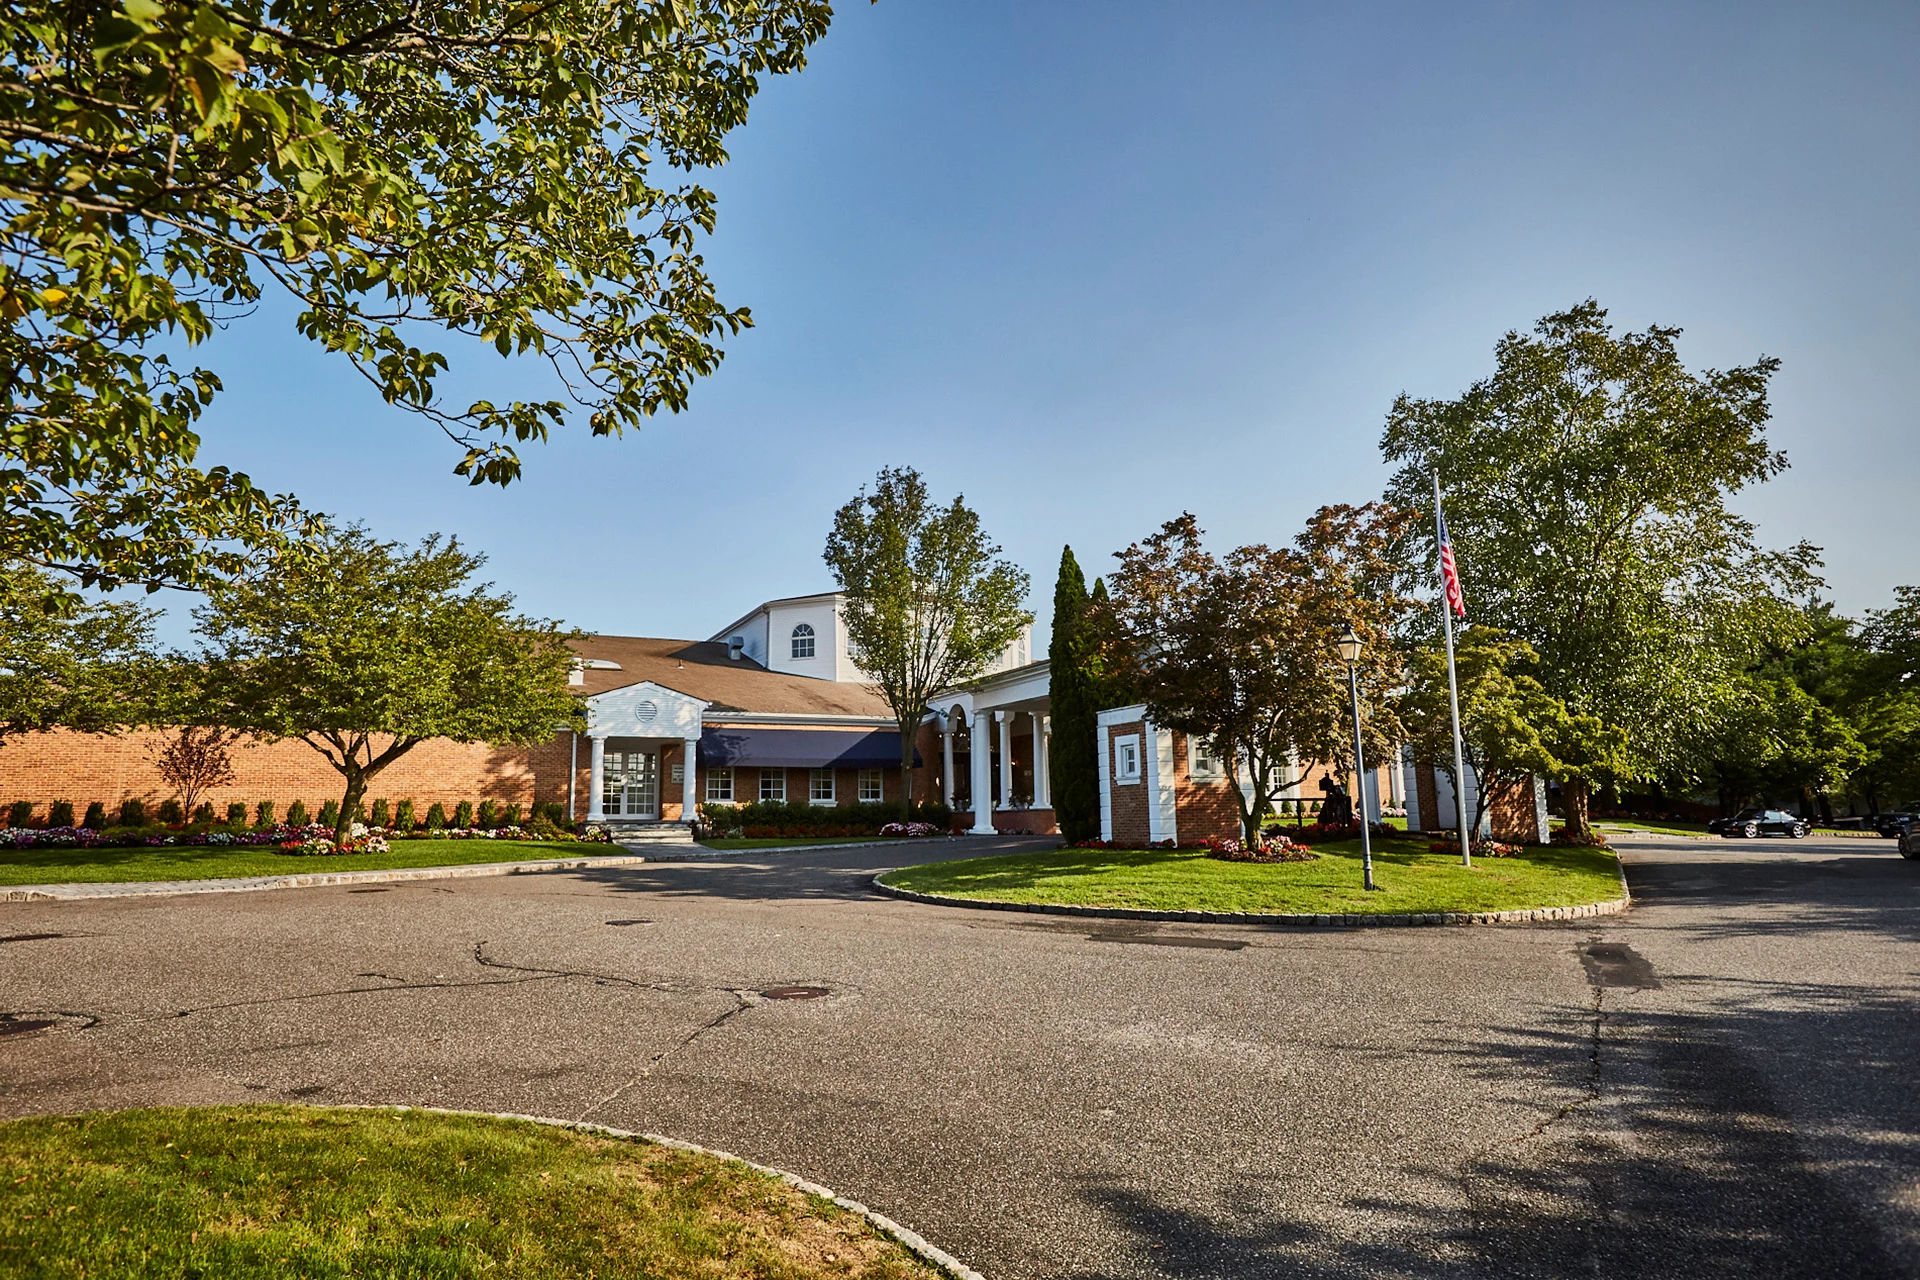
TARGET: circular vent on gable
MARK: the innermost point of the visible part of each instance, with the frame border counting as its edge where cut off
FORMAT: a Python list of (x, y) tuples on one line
[(646, 711)]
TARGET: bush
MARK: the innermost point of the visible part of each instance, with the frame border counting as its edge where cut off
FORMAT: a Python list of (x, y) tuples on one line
[(800, 819), (237, 813), (489, 815), (133, 813), (380, 817), (297, 814), (204, 813), (330, 813), (551, 811), (60, 813), (1594, 840), (263, 814), (171, 814), (403, 816), (463, 814), (436, 817), (96, 818), (510, 815), (20, 814)]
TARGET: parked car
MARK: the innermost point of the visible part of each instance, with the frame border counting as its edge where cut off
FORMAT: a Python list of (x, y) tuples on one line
[(1910, 840), (1749, 823), (1891, 823)]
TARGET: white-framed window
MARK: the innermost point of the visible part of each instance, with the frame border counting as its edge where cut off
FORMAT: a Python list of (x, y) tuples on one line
[(1126, 758), (773, 784), (720, 786), (803, 640), (820, 786), (1203, 765), (873, 787)]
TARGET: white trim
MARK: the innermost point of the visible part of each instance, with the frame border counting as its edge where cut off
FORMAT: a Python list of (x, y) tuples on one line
[(1128, 777), (1121, 715), (724, 718), (1161, 823), (1106, 785)]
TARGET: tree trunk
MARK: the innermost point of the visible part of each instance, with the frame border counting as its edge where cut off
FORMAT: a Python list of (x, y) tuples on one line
[(1576, 794), (350, 804), (907, 734)]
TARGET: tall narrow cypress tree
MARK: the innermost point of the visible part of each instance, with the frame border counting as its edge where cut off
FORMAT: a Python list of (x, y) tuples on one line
[(1072, 769)]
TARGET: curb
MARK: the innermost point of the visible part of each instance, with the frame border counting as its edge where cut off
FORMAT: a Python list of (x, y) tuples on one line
[(1298, 919), (299, 880), (905, 1237)]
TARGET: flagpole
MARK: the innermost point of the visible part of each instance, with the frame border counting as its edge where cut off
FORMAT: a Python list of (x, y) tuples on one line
[(1453, 697)]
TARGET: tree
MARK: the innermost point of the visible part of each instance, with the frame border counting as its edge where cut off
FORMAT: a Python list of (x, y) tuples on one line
[(1587, 483), (929, 603), (71, 663), (195, 760), (1506, 719), (394, 168), (1073, 755), (364, 649), (1239, 649)]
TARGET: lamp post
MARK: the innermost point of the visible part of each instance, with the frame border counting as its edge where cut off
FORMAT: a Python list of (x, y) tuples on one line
[(1348, 647)]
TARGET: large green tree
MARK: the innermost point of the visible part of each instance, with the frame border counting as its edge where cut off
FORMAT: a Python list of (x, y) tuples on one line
[(70, 663), (1238, 649), (398, 169), (929, 603), (1073, 755), (1587, 483), (365, 649)]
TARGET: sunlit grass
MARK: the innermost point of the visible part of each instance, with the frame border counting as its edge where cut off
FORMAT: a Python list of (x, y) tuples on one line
[(213, 862)]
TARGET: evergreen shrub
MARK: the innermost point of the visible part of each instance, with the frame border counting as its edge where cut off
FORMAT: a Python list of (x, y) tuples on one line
[(403, 819), (263, 814), (380, 816), (329, 813), (60, 813), (489, 815), (237, 813), (133, 813), (463, 814), (297, 814), (171, 815), (96, 819), (436, 817), (510, 815), (204, 813), (20, 813)]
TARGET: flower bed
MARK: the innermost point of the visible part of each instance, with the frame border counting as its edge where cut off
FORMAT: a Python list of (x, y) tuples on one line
[(1482, 848), (912, 830), (1274, 849)]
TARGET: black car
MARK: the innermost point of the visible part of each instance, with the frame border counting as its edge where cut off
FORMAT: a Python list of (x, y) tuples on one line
[(1910, 840), (1891, 823), (1760, 822)]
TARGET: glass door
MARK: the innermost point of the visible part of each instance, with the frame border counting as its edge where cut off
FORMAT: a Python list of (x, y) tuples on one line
[(631, 784)]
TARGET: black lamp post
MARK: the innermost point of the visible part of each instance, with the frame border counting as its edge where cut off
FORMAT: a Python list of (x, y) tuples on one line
[(1348, 647)]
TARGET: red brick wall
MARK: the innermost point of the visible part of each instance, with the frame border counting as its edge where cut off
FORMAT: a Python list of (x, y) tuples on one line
[(1511, 813), (1427, 792), (1130, 825), (1203, 808)]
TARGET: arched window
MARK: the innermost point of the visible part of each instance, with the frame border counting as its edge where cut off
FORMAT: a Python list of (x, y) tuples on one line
[(803, 641)]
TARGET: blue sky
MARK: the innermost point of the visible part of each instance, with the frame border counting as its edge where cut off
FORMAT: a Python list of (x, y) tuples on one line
[(1096, 263)]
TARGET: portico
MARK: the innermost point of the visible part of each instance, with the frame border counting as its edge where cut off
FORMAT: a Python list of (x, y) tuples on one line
[(1002, 721), (645, 745)]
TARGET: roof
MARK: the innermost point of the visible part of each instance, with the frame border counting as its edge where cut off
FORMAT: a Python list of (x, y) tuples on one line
[(701, 669), (765, 605), (801, 748)]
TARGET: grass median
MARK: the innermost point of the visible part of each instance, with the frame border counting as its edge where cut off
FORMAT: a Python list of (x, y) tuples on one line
[(298, 1191), (219, 862), (1410, 879)]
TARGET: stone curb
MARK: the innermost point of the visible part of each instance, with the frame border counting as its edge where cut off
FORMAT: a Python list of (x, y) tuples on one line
[(1299, 919), (907, 1238), (299, 880)]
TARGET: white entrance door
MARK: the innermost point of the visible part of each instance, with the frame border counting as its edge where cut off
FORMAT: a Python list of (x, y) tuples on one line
[(632, 784)]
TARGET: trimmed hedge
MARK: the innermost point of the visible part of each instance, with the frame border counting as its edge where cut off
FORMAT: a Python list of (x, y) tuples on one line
[(802, 820)]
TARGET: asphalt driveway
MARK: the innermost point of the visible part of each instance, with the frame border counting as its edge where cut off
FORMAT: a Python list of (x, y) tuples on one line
[(1720, 1083)]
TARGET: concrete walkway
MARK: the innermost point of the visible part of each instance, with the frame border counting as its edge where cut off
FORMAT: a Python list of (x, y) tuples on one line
[(1720, 1083)]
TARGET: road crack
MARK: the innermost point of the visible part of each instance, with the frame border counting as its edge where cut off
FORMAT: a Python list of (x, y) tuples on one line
[(741, 1004)]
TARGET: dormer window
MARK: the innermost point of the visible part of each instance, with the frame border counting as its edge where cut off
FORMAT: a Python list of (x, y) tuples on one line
[(803, 641)]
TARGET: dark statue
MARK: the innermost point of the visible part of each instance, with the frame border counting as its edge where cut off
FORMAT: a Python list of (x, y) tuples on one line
[(1336, 810)]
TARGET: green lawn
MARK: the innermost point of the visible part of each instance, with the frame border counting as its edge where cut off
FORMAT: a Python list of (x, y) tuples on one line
[(1410, 879), (1634, 824), (297, 1191), (212, 862)]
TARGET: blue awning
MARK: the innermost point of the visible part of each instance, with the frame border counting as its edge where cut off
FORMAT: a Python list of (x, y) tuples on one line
[(802, 748)]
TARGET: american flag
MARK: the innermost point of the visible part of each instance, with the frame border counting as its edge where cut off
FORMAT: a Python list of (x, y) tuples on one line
[(1449, 575)]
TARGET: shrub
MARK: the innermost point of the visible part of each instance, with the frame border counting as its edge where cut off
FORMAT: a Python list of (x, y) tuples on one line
[(463, 814), (204, 813), (171, 815), (403, 816), (20, 814), (60, 813), (297, 814), (551, 811), (96, 818), (510, 815), (263, 814), (436, 817), (489, 815), (330, 813), (133, 813), (378, 816), (801, 819), (237, 813)]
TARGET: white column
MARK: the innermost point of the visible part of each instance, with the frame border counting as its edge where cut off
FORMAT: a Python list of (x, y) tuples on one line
[(1040, 797), (596, 780), (1004, 720), (979, 761), (689, 790), (946, 760)]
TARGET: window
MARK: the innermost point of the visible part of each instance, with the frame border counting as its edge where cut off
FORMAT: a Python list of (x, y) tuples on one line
[(720, 786), (1203, 763), (803, 641), (1126, 758), (820, 786), (773, 784), (872, 788)]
